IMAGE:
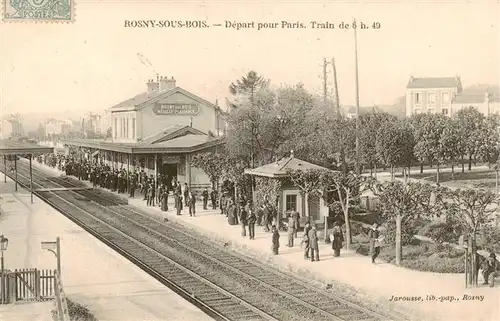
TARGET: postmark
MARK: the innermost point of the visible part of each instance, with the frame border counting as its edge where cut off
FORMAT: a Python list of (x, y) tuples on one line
[(38, 10)]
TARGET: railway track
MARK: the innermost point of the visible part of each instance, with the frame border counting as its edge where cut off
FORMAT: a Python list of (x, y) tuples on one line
[(271, 290)]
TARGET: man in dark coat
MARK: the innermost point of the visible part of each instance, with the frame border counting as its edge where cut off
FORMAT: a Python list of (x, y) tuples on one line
[(186, 194), (242, 213), (305, 239), (251, 223), (213, 198), (204, 194), (178, 203), (374, 236), (313, 244), (275, 240), (192, 204)]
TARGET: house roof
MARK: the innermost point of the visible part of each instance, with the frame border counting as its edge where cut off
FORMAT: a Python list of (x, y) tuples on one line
[(279, 168), (474, 98), (15, 146), (173, 139), (145, 99), (436, 82)]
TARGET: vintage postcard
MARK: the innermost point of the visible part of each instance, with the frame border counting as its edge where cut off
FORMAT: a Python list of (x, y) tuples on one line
[(249, 160)]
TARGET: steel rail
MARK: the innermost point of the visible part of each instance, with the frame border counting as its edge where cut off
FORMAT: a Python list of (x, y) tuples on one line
[(347, 303), (150, 270)]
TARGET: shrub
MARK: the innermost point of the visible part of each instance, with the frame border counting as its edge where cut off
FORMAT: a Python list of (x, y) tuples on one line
[(442, 232), (77, 312), (489, 239)]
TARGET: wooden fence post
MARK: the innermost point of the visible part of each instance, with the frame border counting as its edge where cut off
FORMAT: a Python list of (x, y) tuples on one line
[(37, 285)]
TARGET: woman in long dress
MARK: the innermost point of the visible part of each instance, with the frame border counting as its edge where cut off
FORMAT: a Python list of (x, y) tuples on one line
[(337, 239), (164, 200)]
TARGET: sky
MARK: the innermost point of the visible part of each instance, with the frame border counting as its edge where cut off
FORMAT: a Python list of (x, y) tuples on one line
[(93, 63)]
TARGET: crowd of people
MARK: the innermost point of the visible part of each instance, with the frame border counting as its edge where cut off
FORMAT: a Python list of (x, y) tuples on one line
[(237, 210)]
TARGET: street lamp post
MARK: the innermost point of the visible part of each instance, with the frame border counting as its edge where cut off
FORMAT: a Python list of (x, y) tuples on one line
[(4, 242)]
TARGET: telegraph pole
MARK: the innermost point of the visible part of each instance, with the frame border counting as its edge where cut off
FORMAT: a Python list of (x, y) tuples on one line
[(358, 167), (335, 84), (325, 88)]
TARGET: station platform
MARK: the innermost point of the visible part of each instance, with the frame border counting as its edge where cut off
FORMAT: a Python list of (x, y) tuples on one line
[(93, 274), (359, 278)]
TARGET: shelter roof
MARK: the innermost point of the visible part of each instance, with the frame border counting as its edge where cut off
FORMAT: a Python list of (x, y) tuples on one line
[(279, 168), (16, 146)]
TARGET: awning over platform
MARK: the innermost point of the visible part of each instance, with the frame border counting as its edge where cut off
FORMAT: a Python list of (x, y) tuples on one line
[(172, 144), (18, 147), (94, 154)]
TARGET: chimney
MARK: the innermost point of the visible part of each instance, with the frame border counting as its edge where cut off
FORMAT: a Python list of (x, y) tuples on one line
[(152, 86), (411, 79), (167, 84)]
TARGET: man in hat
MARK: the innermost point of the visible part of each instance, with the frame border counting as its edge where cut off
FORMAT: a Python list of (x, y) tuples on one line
[(490, 269), (305, 239), (374, 235), (313, 244), (275, 240)]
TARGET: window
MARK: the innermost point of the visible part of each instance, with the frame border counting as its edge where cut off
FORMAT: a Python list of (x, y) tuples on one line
[(418, 98), (127, 129), (445, 98), (133, 128), (430, 111), (445, 111), (116, 128), (123, 127), (417, 111), (291, 203), (431, 98)]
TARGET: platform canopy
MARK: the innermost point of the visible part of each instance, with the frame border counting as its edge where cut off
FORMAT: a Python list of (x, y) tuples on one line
[(173, 139), (18, 147), (279, 169)]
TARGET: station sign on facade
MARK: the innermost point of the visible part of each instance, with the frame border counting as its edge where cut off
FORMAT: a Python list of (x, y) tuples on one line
[(176, 109)]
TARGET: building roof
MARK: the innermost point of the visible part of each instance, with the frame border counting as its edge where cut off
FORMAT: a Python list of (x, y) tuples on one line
[(173, 139), (474, 98), (16, 146), (145, 99), (436, 82), (279, 168), (170, 132)]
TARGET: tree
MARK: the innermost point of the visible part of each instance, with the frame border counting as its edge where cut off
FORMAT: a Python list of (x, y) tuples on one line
[(404, 203), (248, 86), (370, 124), (471, 123), (349, 187), (392, 143), (429, 136), (451, 145), (211, 163)]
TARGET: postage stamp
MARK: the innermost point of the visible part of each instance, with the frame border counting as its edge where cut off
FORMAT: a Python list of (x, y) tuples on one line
[(38, 10)]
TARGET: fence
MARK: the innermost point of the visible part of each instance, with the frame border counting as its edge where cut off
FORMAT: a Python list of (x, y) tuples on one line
[(27, 285)]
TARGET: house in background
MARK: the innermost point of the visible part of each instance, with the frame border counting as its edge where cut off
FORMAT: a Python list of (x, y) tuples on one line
[(446, 96), (487, 103), (431, 95)]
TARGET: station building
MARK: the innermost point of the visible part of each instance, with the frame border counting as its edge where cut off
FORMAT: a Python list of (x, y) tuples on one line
[(158, 131)]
